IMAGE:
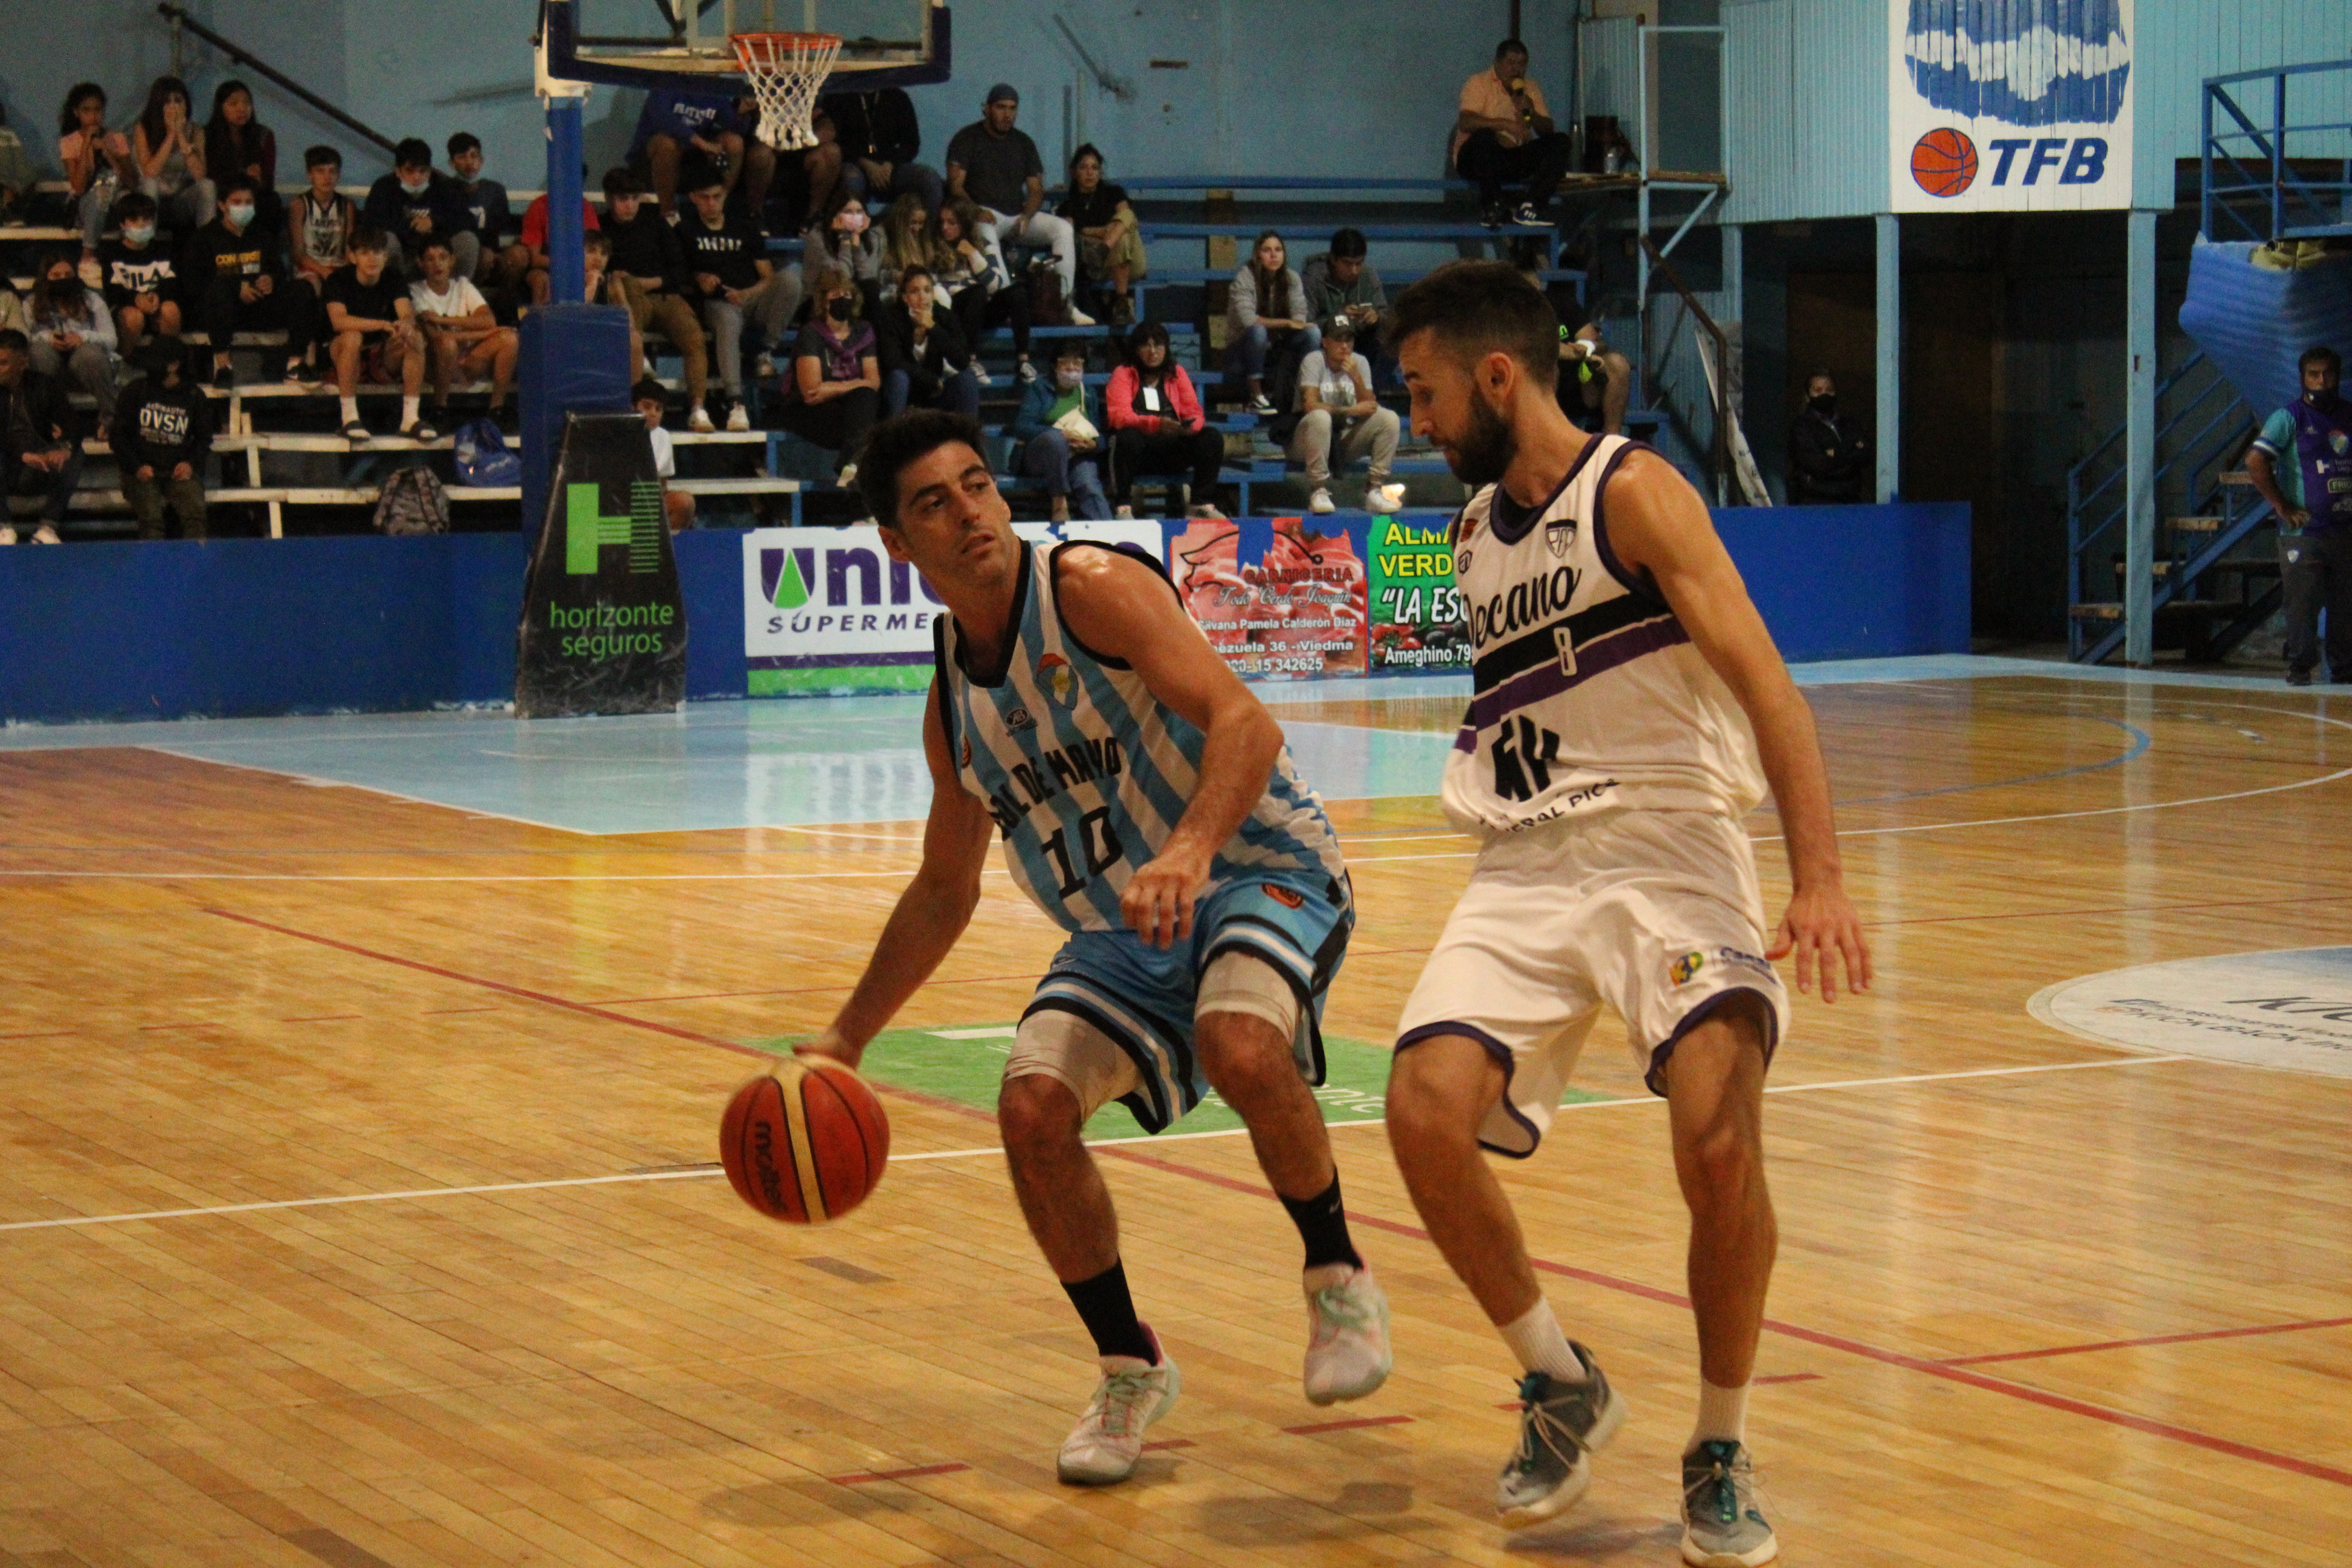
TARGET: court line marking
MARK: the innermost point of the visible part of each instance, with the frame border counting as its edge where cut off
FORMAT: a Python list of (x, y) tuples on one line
[(2193, 1337), (1114, 1146)]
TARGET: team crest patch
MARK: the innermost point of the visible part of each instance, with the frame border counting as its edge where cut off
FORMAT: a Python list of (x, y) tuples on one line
[(1283, 896), (1018, 718), (2339, 443), (1060, 681), (1682, 969), (1461, 561), (1558, 534)]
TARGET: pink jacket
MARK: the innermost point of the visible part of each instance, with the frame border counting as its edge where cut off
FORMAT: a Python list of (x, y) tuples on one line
[(1118, 398)]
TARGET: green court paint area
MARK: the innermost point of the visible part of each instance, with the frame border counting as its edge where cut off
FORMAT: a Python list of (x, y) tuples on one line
[(964, 1063)]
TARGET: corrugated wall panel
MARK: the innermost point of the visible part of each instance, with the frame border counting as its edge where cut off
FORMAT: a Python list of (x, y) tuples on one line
[(1763, 112), (1609, 66), (1841, 93)]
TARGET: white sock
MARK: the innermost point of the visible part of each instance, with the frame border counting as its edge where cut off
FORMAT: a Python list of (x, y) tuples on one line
[(1722, 1415), (351, 409), (408, 412), (1535, 1338)]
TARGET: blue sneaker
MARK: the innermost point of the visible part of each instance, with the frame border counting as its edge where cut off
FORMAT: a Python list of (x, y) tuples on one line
[(1722, 1527), (1560, 1424)]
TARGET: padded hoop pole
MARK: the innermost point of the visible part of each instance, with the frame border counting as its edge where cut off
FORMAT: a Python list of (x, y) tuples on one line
[(567, 234)]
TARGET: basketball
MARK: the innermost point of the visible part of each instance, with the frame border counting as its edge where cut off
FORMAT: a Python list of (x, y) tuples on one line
[(1944, 161), (805, 1143)]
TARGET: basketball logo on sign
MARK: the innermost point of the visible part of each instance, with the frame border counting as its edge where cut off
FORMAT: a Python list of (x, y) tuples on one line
[(1944, 161)]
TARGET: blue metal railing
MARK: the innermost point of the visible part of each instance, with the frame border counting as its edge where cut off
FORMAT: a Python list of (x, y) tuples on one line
[(2290, 206)]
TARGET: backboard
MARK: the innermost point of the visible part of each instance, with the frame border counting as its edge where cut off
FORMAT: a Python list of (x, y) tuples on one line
[(684, 44)]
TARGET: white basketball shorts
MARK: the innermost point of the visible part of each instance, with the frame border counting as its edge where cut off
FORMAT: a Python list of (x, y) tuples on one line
[(1656, 914)]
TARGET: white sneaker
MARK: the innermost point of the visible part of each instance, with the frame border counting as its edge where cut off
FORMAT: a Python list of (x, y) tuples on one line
[(700, 421), (1078, 318), (1103, 1446), (1123, 513), (979, 374), (1024, 373), (1347, 1354), (738, 419), (1321, 501), (1262, 405), (847, 477), (7, 534), (1384, 499), (46, 534), (763, 367)]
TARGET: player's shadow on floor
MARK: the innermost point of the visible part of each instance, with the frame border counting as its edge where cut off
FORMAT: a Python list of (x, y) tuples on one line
[(1274, 1520), (1597, 1539)]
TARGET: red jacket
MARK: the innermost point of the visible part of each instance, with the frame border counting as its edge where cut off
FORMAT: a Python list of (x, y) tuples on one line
[(1118, 398)]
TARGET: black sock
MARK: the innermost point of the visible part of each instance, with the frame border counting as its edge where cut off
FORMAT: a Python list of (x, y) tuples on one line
[(1323, 1226), (1109, 1314)]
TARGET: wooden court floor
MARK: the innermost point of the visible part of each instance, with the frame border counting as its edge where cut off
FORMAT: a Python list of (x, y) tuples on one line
[(2096, 1314)]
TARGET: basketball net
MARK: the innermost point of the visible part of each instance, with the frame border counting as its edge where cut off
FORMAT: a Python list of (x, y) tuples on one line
[(786, 71)]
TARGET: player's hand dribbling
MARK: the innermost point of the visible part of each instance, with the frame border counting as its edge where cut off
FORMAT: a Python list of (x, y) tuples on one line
[(1821, 923), (1158, 902)]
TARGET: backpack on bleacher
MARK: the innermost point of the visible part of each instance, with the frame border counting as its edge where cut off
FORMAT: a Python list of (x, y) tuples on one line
[(484, 459), (1046, 299), (413, 502)]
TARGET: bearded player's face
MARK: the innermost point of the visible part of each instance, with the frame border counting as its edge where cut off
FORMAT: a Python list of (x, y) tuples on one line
[(1457, 415)]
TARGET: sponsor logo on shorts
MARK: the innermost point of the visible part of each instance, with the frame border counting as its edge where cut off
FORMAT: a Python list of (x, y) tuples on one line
[(1683, 969), (1060, 681), (1283, 896), (1687, 968), (1739, 960)]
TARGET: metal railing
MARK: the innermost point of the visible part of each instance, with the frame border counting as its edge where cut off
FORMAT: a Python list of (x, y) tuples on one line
[(2292, 203), (238, 55)]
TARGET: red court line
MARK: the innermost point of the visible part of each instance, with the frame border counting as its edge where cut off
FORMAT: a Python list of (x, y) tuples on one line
[(1314, 1426), (2149, 1340), (801, 991), (438, 1012), (323, 1018), (44, 1034), (859, 1478), (1791, 1377), (1167, 1443)]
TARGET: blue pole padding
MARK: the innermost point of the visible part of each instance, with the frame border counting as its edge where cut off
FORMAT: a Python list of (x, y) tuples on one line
[(566, 235)]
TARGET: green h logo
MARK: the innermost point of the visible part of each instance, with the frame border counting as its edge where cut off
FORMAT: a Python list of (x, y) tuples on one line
[(587, 529)]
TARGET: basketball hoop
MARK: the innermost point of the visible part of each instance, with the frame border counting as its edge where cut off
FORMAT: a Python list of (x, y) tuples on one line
[(786, 71)]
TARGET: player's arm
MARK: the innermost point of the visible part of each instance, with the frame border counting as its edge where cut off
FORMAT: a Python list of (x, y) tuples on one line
[(1122, 609), (932, 911), (2262, 470), (1658, 524)]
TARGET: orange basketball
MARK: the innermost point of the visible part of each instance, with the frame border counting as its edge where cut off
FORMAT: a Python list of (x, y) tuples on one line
[(805, 1143), (1944, 161)]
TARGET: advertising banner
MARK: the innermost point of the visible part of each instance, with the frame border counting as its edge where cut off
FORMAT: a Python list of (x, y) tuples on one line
[(1278, 600), (1416, 616), (2010, 105), (826, 609)]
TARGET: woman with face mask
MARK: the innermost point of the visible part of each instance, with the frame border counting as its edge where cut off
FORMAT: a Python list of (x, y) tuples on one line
[(71, 332), (170, 152), (238, 142), (842, 237), (1060, 431), (832, 393)]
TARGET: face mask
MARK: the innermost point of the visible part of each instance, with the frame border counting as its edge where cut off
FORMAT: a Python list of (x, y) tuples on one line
[(1067, 379), (239, 213), (138, 234), (419, 189), (1825, 404), (852, 220), (838, 307)]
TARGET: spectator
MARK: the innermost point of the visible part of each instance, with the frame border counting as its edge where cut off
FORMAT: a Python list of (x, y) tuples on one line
[(652, 400), (1829, 453), (841, 236), (415, 201), (1341, 282), (488, 218), (141, 282), (237, 143), (1267, 328), (909, 239), (170, 158), (649, 265), (462, 340), (375, 336), (879, 136), (16, 176), (96, 161), (1111, 244), (599, 285), (727, 255), (1502, 135), (161, 431), (70, 334), (40, 445), (977, 288), (1156, 424), (834, 393), (1335, 407), (675, 130), (926, 360), (12, 309), (2301, 465), (236, 283), (994, 165), (1594, 378), (807, 180), (534, 244), (1060, 428)]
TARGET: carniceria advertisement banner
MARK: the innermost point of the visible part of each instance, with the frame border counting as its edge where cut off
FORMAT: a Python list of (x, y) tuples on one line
[(1278, 599), (2010, 105)]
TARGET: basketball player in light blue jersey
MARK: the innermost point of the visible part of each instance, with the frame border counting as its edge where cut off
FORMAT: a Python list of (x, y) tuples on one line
[(1148, 805), (1628, 711)]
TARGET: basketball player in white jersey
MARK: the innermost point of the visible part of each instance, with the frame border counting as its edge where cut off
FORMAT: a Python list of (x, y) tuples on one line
[(1629, 710), (1148, 805)]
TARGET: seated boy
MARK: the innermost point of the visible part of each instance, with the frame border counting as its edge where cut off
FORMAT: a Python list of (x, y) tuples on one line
[(675, 129), (162, 428), (141, 282), (237, 284), (374, 335), (650, 267), (653, 402), (488, 216), (539, 265), (462, 337), (416, 200)]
